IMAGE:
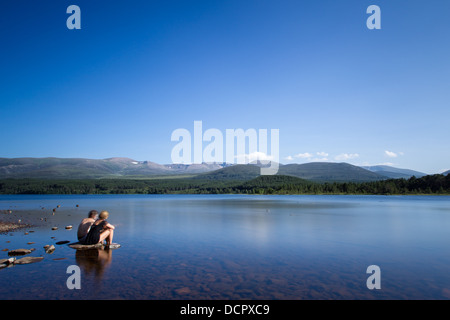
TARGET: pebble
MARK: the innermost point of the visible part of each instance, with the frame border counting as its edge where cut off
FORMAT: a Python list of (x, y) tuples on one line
[(55, 228)]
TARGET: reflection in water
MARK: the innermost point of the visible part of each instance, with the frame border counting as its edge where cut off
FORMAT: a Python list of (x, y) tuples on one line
[(244, 247), (94, 261)]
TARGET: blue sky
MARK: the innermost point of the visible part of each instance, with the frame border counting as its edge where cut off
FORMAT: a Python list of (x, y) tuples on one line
[(138, 70)]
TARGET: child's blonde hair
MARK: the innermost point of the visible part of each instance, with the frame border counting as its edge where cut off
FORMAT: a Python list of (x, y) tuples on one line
[(104, 215)]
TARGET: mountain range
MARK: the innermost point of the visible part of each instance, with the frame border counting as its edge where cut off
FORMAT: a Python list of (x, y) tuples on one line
[(78, 168), (69, 168)]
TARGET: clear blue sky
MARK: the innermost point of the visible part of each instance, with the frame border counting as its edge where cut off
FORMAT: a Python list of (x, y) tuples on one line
[(137, 70)]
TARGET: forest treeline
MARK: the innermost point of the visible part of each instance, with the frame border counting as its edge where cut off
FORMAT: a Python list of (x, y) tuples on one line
[(432, 184)]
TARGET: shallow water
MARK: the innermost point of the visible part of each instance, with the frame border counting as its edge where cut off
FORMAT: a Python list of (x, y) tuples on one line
[(236, 247)]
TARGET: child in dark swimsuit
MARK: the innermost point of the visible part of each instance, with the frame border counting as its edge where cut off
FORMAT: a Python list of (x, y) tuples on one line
[(100, 230)]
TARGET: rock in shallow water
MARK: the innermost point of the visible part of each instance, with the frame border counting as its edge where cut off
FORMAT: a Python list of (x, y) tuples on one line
[(79, 246), (18, 252), (62, 242), (7, 261), (49, 249), (28, 260)]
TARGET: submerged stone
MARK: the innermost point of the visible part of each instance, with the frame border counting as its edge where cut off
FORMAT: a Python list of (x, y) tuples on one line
[(62, 242), (28, 260), (18, 252)]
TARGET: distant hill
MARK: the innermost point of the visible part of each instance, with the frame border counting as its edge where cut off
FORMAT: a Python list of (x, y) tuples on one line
[(329, 171), (57, 168), (275, 181), (394, 173), (446, 172), (315, 171), (241, 172)]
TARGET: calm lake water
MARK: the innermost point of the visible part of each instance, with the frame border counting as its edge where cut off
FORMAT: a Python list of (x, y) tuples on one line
[(236, 247)]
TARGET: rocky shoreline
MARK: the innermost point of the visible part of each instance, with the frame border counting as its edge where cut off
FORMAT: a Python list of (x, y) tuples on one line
[(6, 227), (15, 220)]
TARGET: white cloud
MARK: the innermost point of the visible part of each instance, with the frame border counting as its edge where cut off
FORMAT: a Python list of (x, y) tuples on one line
[(322, 154), (368, 164), (346, 156), (289, 158), (390, 154), (305, 155)]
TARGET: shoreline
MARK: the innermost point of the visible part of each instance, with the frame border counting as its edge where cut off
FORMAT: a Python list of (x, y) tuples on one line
[(6, 227), (231, 194), (11, 221)]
